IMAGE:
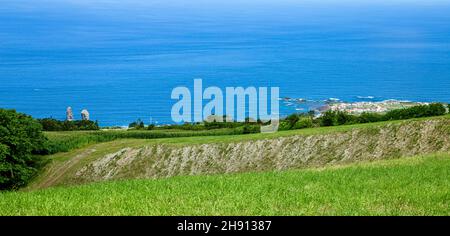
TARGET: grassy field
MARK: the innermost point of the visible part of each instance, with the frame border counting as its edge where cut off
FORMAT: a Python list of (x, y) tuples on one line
[(334, 147), (63, 141), (407, 186)]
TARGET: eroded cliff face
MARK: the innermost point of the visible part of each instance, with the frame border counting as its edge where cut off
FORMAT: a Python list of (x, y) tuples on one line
[(407, 138)]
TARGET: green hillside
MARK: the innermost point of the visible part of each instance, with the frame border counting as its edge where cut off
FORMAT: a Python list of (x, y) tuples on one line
[(76, 139), (407, 186), (297, 149)]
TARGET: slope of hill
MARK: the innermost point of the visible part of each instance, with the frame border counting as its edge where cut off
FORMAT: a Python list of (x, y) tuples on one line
[(406, 186), (133, 158)]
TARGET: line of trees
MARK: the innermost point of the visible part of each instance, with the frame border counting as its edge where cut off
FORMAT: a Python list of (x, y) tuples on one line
[(307, 120), (50, 124), (248, 126), (334, 118)]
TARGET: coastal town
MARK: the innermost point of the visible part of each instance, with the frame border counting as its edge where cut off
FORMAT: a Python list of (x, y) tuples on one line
[(354, 107), (371, 107)]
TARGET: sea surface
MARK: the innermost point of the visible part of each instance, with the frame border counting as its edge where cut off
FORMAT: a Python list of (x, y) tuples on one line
[(121, 59)]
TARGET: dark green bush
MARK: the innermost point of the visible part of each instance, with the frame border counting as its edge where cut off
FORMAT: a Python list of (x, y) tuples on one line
[(284, 125), (150, 127), (332, 118), (206, 125), (328, 119), (138, 124), (292, 119), (304, 122), (50, 124), (344, 118), (20, 137), (368, 117), (434, 109), (250, 129), (221, 125)]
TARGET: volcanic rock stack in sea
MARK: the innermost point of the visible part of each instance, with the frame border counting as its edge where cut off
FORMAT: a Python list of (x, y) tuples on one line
[(84, 114), (69, 114)]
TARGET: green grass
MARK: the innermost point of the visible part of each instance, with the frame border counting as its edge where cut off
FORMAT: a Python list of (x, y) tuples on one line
[(408, 186), (63, 141)]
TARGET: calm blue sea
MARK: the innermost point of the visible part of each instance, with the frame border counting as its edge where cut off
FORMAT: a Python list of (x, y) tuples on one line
[(121, 59)]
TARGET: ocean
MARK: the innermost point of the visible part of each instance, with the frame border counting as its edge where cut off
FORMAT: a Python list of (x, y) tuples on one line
[(121, 59)]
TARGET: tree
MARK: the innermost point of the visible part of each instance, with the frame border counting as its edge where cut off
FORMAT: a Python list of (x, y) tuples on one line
[(328, 119), (138, 124), (50, 124), (304, 122), (311, 113), (369, 117), (250, 129), (284, 125), (292, 119), (20, 137), (345, 118), (436, 109)]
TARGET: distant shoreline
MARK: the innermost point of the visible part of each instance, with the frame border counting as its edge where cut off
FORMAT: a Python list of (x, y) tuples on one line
[(360, 105), (355, 108)]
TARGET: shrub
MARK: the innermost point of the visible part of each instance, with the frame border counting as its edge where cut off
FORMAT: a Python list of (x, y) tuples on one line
[(220, 125), (284, 125), (50, 124), (250, 129), (368, 117), (292, 119), (138, 124), (20, 137), (344, 118), (434, 109), (328, 119), (305, 122)]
